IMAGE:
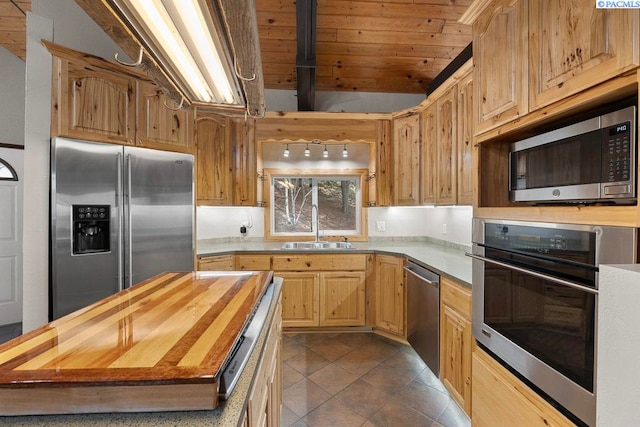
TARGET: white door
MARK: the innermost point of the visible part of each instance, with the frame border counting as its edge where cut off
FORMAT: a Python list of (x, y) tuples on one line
[(11, 177)]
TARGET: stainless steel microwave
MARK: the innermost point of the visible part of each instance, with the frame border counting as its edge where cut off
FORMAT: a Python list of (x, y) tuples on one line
[(592, 161)]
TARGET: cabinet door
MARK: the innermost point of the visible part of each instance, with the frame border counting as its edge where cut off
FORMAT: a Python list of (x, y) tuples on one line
[(446, 148), (406, 152), (245, 167), (573, 46), (382, 183), (428, 154), (456, 342), (500, 55), (213, 161), (342, 299), (500, 399), (390, 294), (160, 126), (299, 299), (95, 104), (465, 140)]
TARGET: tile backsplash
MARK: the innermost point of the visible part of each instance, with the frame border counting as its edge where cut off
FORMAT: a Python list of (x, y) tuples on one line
[(452, 223)]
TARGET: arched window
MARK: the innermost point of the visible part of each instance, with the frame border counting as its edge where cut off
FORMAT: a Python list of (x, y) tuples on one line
[(7, 173)]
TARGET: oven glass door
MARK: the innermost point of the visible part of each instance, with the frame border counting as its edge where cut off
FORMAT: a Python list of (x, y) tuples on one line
[(553, 322)]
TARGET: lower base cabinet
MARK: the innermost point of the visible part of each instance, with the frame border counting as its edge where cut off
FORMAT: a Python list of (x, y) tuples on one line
[(265, 398), (456, 341), (300, 292), (501, 399), (390, 295), (216, 263)]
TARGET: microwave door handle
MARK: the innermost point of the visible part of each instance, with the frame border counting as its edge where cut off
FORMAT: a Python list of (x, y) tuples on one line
[(534, 273)]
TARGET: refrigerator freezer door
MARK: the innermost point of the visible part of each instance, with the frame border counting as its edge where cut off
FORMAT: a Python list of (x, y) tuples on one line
[(158, 187), (83, 174)]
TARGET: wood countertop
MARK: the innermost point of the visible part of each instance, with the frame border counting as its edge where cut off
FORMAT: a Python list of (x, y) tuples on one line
[(159, 345)]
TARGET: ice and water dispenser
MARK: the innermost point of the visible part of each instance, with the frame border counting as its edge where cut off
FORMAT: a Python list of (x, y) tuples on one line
[(91, 229)]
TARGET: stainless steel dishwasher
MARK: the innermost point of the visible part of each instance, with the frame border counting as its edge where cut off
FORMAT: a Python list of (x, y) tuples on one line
[(423, 314)]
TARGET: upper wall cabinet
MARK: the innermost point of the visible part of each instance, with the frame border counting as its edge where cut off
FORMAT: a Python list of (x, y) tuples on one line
[(94, 104), (500, 54), (573, 46), (406, 150), (99, 100), (446, 148), (465, 140), (161, 124)]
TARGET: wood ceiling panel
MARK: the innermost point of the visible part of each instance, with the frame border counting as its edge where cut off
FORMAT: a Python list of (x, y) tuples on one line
[(395, 46), (13, 26)]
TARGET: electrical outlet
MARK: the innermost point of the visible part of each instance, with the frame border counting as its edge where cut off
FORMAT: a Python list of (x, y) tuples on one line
[(381, 226), (444, 228)]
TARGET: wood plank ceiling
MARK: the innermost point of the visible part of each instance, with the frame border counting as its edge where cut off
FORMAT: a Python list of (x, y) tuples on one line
[(13, 24), (395, 46)]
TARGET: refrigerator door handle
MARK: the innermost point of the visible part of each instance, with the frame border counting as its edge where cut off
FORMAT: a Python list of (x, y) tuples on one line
[(118, 205), (128, 231)]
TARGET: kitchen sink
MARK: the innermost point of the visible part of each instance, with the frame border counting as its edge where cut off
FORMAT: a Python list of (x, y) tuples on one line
[(317, 245)]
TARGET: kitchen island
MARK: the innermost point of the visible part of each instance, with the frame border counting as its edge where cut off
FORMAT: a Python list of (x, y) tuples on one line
[(158, 346)]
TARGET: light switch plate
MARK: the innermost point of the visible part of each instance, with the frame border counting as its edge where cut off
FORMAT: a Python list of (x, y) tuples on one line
[(381, 226)]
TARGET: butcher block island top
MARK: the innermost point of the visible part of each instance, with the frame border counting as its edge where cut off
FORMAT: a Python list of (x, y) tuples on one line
[(157, 346)]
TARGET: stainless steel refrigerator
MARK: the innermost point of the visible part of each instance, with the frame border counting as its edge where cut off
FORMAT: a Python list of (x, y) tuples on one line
[(119, 215)]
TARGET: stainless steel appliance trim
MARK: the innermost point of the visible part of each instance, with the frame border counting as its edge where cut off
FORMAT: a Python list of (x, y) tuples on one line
[(619, 116), (576, 399), (557, 135), (423, 314), (536, 274), (118, 205), (558, 193), (129, 250), (243, 348)]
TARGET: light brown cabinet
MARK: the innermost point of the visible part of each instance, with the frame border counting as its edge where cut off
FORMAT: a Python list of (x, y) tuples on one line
[(161, 124), (500, 54), (406, 154), (226, 161), (342, 298), (573, 46), (253, 262), (428, 163), (456, 341), (465, 139), (216, 262), (390, 295), (98, 100), (446, 148), (93, 104), (500, 399), (264, 402), (322, 290)]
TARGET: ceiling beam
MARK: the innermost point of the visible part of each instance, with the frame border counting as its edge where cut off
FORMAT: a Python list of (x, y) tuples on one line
[(306, 13)]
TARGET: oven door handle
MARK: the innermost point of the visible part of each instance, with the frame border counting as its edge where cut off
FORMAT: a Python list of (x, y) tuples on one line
[(534, 273)]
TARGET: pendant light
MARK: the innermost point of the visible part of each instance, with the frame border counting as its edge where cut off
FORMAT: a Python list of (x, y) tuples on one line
[(345, 153), (286, 151), (325, 153), (307, 152)]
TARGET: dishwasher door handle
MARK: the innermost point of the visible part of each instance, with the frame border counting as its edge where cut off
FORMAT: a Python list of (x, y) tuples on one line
[(424, 279)]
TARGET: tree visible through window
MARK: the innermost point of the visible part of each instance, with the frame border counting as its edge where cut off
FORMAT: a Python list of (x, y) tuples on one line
[(337, 200)]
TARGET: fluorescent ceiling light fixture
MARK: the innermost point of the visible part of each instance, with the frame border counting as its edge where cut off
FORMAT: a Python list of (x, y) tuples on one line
[(184, 38)]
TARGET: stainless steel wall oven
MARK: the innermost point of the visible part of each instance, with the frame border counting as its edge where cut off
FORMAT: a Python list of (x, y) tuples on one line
[(535, 299)]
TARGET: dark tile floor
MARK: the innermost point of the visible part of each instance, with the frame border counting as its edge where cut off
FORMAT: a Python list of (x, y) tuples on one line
[(11, 331), (361, 379)]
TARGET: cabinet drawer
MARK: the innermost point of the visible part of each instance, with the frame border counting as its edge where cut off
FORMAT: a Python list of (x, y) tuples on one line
[(456, 296), (324, 262), (222, 262), (253, 262)]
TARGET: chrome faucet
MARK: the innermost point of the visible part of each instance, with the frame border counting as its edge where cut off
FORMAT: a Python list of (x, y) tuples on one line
[(314, 206)]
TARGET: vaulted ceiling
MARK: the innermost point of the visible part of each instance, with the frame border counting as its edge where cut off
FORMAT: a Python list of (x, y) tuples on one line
[(395, 46)]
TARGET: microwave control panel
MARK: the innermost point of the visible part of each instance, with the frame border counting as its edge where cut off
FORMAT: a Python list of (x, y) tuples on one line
[(617, 156)]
